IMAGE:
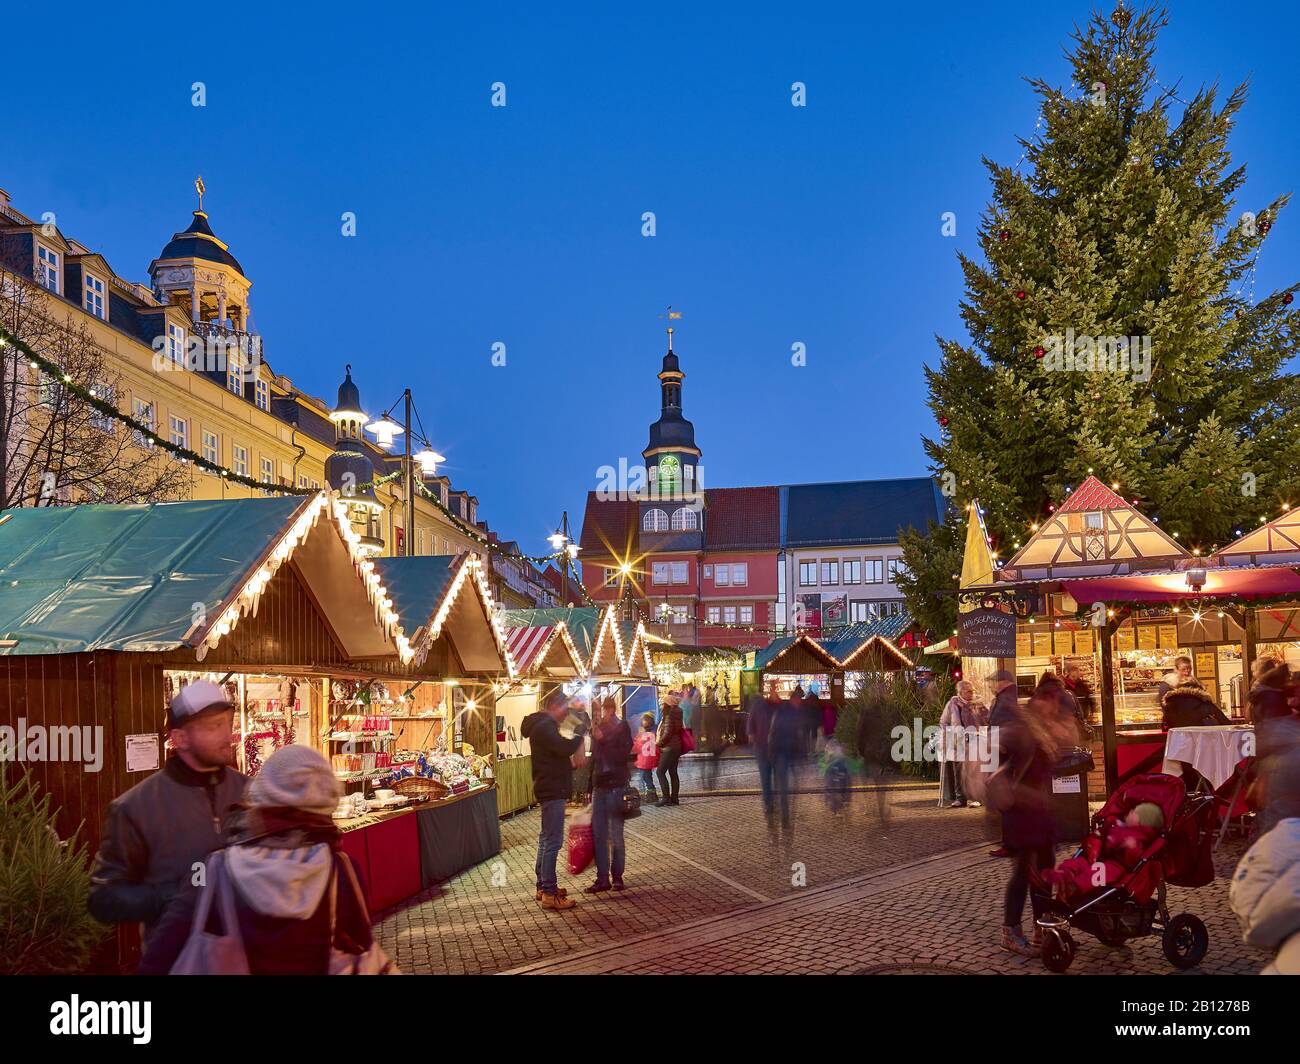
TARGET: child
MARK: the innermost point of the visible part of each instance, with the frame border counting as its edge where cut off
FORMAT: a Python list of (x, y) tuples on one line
[(1107, 856), (646, 749)]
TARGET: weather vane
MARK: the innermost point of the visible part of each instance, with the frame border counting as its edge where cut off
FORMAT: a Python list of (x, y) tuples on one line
[(672, 316), (200, 188)]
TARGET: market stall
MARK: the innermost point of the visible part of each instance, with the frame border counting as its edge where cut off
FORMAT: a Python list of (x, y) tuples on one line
[(1100, 593), (106, 610)]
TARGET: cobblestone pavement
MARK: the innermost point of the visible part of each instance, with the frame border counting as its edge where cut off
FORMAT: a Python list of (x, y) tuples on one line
[(890, 881)]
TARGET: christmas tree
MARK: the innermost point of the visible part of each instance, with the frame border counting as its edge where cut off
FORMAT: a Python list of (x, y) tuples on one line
[(1113, 325)]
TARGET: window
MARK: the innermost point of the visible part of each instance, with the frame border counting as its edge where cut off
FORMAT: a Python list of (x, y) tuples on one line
[(739, 574), (212, 447), (268, 470), (144, 413), (263, 395), (1093, 520), (873, 571), (302, 483), (102, 422), (746, 614), (728, 614), (708, 572), (852, 571), (859, 612), (715, 614), (655, 521), (176, 344), (179, 431), (681, 615), (234, 369), (807, 574), (684, 519), (722, 576), (896, 566), (47, 268), (831, 572), (681, 572), (95, 296), (239, 456), (659, 573)]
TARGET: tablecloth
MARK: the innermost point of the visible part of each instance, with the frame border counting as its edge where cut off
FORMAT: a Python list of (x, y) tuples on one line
[(458, 834), (1212, 751)]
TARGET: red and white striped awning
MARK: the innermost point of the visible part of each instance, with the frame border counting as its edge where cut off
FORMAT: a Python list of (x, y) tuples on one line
[(526, 644)]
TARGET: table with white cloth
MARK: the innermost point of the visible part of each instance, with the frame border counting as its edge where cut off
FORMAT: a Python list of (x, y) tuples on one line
[(1213, 751)]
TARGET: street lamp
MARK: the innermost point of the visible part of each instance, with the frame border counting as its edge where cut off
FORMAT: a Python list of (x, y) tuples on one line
[(563, 545)]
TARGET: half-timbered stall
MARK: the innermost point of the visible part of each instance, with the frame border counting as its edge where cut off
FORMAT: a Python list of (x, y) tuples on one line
[(1102, 595)]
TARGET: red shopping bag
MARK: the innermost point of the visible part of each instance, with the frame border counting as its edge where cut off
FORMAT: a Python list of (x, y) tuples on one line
[(581, 845), (688, 740)]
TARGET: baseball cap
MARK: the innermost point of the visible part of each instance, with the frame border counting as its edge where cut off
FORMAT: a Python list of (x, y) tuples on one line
[(1003, 674), (193, 699)]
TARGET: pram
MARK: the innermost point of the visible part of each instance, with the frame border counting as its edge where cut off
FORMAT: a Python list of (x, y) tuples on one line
[(1133, 905)]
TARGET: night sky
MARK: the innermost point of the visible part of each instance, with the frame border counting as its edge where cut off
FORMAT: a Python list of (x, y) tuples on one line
[(522, 225)]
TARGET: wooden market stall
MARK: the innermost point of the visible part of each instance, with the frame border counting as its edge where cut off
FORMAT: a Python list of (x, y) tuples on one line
[(107, 610)]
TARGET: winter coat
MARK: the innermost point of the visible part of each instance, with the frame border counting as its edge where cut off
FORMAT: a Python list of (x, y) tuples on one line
[(1278, 744), (1265, 895), (957, 716), (670, 729), (154, 836), (1029, 820), (1269, 696), (759, 724), (1005, 708), (611, 747), (281, 887), (785, 740), (646, 748), (552, 769), (1188, 706)]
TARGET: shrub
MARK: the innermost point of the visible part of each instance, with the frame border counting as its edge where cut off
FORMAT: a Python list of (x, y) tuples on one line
[(892, 702), (45, 926)]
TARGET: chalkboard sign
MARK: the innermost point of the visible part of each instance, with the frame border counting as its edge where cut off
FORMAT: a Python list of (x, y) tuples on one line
[(986, 633)]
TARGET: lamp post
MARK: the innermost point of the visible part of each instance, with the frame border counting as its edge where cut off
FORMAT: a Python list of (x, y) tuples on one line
[(562, 544), (385, 429)]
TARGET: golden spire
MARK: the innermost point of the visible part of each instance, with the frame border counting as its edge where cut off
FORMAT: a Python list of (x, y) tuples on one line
[(200, 188), (672, 316)]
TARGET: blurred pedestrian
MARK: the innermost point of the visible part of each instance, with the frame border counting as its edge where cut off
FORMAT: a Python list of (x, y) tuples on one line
[(762, 710), (1027, 752), (1265, 895), (611, 744), (296, 897), (553, 761), (163, 827), (1271, 693), (1004, 711), (785, 742), (711, 716)]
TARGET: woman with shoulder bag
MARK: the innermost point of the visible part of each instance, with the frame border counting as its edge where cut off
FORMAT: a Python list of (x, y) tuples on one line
[(611, 746), (1020, 790), (280, 899), (670, 752)]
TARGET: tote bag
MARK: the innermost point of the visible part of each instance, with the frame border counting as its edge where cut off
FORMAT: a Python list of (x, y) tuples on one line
[(374, 961), (209, 954)]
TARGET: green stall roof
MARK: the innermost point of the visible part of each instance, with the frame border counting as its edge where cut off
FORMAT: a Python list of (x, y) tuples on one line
[(127, 577)]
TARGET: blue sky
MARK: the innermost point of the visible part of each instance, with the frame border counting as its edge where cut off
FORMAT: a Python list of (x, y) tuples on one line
[(522, 225)]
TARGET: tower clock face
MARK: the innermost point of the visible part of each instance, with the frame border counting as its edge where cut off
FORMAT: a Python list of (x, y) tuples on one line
[(670, 473)]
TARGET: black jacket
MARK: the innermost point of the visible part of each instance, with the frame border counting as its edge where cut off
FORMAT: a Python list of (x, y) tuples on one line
[(611, 756), (552, 771), (1188, 706)]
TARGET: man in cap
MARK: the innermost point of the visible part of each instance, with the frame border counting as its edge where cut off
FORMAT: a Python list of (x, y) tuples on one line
[(159, 832)]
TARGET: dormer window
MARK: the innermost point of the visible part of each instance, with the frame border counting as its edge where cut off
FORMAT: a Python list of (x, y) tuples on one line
[(263, 395), (234, 369), (47, 268), (95, 297), (176, 344)]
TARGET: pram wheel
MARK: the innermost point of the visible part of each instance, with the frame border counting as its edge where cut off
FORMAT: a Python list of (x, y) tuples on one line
[(1185, 941), (1058, 949)]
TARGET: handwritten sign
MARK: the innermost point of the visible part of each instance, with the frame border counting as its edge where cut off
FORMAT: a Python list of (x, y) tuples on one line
[(987, 633)]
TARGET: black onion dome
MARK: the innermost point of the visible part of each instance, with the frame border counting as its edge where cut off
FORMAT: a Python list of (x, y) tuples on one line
[(672, 431), (349, 396), (671, 364), (200, 242)]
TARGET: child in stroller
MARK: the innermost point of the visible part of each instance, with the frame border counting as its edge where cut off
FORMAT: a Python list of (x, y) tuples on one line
[(1150, 832)]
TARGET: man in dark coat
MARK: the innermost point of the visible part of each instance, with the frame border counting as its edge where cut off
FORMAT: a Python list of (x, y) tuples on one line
[(160, 831), (553, 758), (1188, 706), (1003, 713)]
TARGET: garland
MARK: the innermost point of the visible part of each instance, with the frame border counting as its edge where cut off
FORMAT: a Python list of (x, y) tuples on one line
[(482, 540)]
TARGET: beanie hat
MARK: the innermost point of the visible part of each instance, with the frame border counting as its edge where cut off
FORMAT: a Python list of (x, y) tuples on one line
[(295, 777)]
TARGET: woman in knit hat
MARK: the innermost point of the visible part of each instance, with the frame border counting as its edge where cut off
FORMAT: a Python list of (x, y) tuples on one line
[(288, 877)]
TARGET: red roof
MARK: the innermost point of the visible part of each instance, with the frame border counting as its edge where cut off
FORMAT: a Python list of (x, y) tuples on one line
[(1092, 494), (609, 526), (742, 517)]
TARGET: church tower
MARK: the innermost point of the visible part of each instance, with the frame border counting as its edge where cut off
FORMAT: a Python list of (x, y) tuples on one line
[(349, 470), (671, 457)]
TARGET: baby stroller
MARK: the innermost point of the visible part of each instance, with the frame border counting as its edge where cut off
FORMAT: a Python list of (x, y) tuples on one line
[(1131, 903)]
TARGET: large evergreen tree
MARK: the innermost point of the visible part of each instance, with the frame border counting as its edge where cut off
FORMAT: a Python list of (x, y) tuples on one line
[(1121, 222)]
